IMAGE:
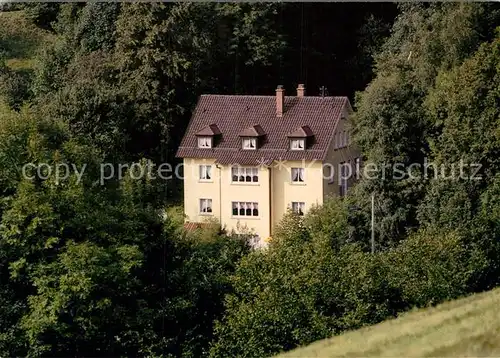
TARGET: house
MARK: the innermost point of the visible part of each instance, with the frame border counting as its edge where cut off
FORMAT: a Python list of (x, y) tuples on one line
[(248, 159)]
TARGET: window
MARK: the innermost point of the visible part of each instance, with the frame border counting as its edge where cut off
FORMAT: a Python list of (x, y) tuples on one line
[(297, 144), (298, 207), (241, 208), (249, 143), (205, 206), (346, 138), (204, 142), (358, 167), (343, 179), (245, 175), (298, 175), (328, 172), (205, 172)]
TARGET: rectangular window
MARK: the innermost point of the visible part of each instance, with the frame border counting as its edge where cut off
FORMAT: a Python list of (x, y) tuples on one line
[(243, 208), (328, 172), (298, 175), (297, 144), (346, 138), (249, 143), (298, 207), (205, 206), (205, 172), (204, 142), (244, 175), (357, 167), (343, 179)]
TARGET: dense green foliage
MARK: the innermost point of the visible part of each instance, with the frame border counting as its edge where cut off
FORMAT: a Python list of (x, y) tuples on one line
[(87, 263), (127, 73), (394, 121), (98, 269), (304, 289), (434, 99)]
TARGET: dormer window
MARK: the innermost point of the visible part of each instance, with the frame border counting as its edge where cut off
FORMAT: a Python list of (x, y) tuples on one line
[(204, 142), (206, 136), (249, 143), (251, 137), (301, 138), (297, 144)]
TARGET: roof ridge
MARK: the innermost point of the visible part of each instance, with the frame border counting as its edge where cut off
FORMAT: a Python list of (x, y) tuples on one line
[(230, 112), (269, 96)]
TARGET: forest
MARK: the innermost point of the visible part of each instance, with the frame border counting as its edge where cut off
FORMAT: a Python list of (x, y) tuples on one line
[(107, 269)]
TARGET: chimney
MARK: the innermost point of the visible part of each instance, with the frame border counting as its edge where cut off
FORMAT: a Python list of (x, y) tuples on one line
[(280, 99), (301, 90)]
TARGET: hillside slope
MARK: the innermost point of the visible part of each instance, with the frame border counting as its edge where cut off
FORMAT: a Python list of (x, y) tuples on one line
[(20, 39), (465, 327)]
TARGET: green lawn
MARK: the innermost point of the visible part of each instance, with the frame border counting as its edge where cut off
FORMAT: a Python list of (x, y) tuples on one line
[(465, 327), (20, 39)]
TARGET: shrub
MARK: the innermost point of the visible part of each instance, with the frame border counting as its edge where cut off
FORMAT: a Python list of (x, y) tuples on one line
[(15, 87), (302, 288), (198, 282), (430, 267), (307, 287)]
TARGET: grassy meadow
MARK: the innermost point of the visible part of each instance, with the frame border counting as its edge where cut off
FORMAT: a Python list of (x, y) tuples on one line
[(465, 327)]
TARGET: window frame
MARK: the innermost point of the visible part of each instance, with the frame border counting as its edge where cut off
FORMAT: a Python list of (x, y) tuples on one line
[(209, 172), (244, 172), (343, 182), (330, 176), (298, 141), (300, 170), (298, 207), (357, 166), (249, 140), (209, 142), (209, 207), (242, 209)]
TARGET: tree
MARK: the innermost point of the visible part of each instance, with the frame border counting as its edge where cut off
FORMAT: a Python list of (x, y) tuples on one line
[(462, 107), (133, 89), (91, 268), (392, 125), (305, 286), (42, 14)]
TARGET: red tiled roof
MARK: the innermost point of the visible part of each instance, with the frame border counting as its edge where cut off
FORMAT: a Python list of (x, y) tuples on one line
[(253, 131), (190, 226), (209, 130), (303, 131), (234, 114)]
